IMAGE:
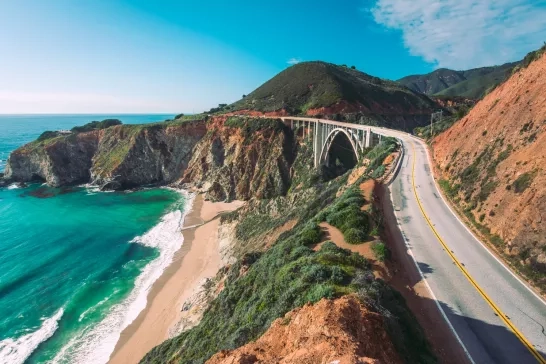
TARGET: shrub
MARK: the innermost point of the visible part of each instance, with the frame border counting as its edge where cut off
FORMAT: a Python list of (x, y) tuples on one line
[(354, 236), (378, 172), (96, 125), (523, 182), (381, 251), (310, 236), (47, 135)]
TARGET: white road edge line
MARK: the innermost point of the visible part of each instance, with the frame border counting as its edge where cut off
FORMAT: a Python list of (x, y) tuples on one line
[(446, 319)]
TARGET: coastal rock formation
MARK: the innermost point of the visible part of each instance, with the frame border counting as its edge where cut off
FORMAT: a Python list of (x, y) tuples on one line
[(132, 156), (118, 157), (57, 161), (494, 161), (339, 331), (226, 157), (241, 158)]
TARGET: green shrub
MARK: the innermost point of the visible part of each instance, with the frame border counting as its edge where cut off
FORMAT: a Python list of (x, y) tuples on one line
[(354, 236), (523, 182), (96, 125), (47, 135), (381, 251), (347, 216), (378, 172)]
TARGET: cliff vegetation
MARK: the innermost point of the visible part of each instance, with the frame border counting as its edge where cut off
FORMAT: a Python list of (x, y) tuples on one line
[(273, 277)]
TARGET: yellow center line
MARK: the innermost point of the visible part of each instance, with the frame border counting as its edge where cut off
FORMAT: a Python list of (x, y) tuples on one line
[(495, 308)]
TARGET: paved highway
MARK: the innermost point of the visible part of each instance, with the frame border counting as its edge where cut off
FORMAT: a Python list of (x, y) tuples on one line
[(495, 316)]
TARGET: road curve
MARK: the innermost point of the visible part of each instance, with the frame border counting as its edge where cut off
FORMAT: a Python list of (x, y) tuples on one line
[(494, 315)]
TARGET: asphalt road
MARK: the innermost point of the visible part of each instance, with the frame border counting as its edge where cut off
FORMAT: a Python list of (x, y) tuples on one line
[(494, 315), (475, 317)]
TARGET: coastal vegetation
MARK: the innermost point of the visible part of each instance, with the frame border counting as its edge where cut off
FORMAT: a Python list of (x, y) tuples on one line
[(267, 282), (96, 125)]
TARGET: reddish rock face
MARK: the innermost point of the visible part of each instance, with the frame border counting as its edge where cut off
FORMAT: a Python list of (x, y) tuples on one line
[(496, 158), (332, 331), (231, 162)]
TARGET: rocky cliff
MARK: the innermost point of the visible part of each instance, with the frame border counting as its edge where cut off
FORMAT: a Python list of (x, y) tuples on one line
[(118, 157), (493, 163), (243, 157), (332, 331), (226, 157)]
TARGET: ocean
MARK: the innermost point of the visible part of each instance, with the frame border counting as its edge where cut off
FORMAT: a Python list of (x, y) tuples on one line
[(76, 264)]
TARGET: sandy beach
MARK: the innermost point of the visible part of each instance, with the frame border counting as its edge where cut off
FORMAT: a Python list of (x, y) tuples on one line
[(199, 258)]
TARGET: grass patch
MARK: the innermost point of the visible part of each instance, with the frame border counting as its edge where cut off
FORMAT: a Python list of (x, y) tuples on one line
[(381, 251)]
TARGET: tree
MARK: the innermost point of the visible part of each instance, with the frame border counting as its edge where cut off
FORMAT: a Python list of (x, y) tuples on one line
[(244, 96), (353, 67)]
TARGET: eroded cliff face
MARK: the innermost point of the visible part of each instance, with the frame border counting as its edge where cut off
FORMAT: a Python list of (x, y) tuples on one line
[(118, 157), (58, 161), (241, 158), (339, 331), (156, 154), (495, 160), (226, 157)]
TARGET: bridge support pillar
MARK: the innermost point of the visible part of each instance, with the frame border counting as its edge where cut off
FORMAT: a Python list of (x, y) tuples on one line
[(368, 137), (318, 142)]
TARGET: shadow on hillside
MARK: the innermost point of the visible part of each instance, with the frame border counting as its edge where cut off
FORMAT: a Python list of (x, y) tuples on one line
[(502, 346)]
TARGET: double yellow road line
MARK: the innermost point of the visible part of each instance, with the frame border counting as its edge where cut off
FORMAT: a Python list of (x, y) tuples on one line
[(495, 308)]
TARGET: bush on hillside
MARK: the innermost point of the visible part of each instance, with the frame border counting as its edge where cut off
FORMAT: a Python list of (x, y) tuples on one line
[(96, 125), (47, 135)]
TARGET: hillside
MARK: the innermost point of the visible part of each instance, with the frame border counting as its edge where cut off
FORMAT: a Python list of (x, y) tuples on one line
[(492, 163), (472, 83), (319, 88), (330, 331)]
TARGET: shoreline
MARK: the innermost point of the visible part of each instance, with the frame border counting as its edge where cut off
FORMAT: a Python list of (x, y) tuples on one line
[(198, 258)]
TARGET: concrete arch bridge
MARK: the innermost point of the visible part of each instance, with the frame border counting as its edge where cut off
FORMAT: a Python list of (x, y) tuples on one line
[(328, 136)]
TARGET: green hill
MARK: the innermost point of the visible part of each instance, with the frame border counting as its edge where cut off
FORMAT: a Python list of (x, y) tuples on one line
[(471, 83), (312, 85)]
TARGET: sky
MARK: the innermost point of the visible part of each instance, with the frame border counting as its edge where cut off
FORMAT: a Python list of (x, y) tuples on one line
[(167, 56)]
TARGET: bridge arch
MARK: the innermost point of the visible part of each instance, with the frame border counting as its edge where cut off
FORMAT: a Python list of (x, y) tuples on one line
[(335, 138)]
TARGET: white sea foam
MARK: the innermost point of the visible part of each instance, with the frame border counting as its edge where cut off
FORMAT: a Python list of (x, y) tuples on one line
[(13, 186), (16, 351), (96, 344), (93, 308)]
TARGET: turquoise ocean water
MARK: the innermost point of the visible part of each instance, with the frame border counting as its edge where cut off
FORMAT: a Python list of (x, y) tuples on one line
[(76, 264)]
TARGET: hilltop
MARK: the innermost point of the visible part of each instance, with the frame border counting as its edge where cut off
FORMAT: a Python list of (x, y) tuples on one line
[(473, 83), (320, 88), (492, 165)]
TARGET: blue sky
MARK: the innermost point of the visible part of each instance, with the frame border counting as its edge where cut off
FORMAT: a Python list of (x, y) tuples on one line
[(115, 56)]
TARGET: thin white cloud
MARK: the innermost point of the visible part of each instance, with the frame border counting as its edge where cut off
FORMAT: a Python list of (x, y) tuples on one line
[(463, 34), (293, 61)]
